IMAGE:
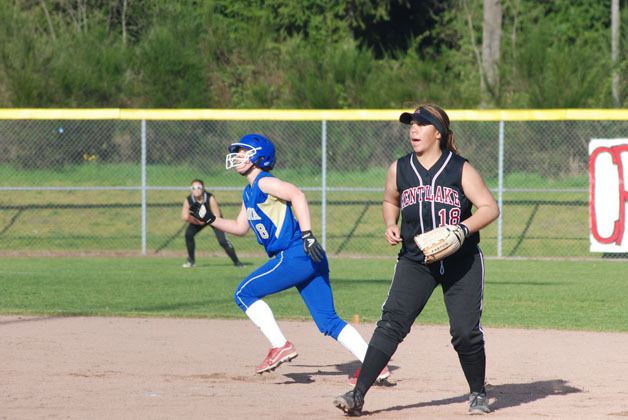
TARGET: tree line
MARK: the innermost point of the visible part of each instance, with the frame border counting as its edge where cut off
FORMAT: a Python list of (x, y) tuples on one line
[(313, 54)]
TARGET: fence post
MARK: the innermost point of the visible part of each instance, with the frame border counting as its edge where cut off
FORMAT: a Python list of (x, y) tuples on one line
[(143, 166), (324, 183), (500, 187)]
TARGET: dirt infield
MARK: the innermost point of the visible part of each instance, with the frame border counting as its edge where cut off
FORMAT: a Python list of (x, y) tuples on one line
[(130, 368)]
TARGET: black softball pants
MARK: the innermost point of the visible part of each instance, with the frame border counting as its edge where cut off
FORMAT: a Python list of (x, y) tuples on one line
[(462, 280), (225, 243)]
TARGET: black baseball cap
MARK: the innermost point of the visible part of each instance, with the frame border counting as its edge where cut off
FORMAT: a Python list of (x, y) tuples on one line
[(425, 117)]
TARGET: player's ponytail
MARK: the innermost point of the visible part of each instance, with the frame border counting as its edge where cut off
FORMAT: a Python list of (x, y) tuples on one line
[(450, 143)]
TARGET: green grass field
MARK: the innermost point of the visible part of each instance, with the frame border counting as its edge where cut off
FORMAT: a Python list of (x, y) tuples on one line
[(581, 295), (534, 224)]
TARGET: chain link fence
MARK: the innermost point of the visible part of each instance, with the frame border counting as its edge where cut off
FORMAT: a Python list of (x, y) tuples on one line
[(90, 183)]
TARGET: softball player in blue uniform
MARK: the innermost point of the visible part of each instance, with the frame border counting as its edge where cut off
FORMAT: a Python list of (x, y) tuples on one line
[(279, 215), (430, 187)]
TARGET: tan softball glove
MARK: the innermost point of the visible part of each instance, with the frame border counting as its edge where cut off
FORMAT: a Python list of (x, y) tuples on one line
[(440, 242)]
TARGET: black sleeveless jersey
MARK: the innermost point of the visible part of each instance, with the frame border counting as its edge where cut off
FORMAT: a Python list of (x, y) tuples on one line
[(206, 195), (432, 198)]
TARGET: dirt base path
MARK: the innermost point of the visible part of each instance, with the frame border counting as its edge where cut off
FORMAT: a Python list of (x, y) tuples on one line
[(130, 368)]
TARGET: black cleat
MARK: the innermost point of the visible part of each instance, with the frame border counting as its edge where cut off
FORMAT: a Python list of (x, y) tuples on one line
[(351, 403)]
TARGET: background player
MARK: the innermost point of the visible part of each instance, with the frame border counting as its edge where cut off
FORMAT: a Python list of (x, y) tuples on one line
[(432, 186), (269, 207), (200, 195)]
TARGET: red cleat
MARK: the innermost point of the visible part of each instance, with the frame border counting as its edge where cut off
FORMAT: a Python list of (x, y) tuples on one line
[(277, 356)]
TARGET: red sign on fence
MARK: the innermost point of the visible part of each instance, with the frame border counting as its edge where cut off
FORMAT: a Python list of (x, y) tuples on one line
[(608, 194)]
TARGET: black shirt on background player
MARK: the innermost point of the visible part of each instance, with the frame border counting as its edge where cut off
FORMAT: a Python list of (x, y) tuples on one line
[(200, 195)]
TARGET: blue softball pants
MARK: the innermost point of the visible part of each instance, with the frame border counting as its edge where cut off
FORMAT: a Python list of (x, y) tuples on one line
[(294, 268)]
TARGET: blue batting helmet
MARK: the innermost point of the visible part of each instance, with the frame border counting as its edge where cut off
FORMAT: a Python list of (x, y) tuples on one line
[(263, 155)]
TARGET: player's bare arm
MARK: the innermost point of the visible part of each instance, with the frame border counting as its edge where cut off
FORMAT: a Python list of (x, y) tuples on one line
[(478, 193), (390, 207), (238, 226), (289, 192), (185, 211), (213, 205)]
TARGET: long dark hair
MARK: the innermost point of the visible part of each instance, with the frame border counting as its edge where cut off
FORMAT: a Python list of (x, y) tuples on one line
[(448, 143)]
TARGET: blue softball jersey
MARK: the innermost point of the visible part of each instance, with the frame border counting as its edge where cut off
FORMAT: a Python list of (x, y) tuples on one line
[(271, 218)]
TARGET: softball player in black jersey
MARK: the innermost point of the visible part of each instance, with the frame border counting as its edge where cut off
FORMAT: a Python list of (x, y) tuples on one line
[(200, 195), (430, 187)]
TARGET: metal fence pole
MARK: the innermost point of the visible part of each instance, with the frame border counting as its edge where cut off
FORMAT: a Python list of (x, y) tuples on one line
[(324, 183), (500, 187), (144, 206)]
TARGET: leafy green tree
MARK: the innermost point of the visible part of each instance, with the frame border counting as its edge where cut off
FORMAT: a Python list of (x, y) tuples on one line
[(306, 54), (169, 67), (562, 58), (554, 54)]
